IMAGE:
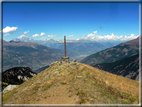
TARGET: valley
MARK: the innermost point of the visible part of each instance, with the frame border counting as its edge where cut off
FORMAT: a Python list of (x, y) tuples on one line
[(27, 53)]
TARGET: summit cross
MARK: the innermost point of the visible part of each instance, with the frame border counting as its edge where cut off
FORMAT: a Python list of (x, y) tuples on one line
[(64, 44)]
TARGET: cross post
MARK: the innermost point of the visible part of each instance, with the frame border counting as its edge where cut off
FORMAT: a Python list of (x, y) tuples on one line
[(64, 44)]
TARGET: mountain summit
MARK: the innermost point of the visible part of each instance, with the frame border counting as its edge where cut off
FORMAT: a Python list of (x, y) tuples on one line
[(74, 83)]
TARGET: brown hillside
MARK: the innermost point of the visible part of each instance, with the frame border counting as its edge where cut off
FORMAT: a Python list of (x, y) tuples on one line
[(74, 83), (123, 50)]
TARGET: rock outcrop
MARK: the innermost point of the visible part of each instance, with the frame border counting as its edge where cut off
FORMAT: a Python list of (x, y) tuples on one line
[(9, 87), (17, 75)]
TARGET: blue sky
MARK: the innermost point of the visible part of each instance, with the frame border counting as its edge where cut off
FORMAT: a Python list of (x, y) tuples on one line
[(98, 21)]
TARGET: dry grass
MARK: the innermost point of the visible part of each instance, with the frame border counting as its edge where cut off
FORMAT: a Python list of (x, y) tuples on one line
[(121, 87), (74, 83)]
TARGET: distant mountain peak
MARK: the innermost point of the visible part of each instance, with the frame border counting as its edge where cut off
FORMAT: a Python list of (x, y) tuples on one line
[(15, 40)]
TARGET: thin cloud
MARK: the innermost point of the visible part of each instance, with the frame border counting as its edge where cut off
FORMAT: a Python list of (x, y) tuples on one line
[(95, 32), (43, 37), (70, 36), (26, 32), (6, 34), (9, 29), (22, 36), (52, 36)]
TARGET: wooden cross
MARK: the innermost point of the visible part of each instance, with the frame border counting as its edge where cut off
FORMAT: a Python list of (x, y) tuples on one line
[(64, 44)]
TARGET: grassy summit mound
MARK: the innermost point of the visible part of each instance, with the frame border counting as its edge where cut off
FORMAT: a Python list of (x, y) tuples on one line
[(74, 83)]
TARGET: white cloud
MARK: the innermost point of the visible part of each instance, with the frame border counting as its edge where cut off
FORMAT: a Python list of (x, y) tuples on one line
[(26, 32), (52, 36), (22, 36), (111, 37), (95, 32), (9, 29), (90, 36), (42, 34), (116, 37), (70, 36), (6, 34), (132, 36), (36, 35)]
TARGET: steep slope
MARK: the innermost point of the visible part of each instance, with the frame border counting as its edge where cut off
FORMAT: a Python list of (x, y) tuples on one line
[(16, 75), (30, 54), (41, 69), (127, 67), (74, 83), (113, 54)]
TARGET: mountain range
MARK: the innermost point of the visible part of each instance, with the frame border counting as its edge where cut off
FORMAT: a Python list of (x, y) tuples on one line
[(74, 83), (113, 54), (121, 60), (25, 52), (101, 58), (77, 47), (28, 54)]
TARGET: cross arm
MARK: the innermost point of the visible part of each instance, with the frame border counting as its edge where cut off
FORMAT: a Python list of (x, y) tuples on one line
[(69, 42), (60, 42)]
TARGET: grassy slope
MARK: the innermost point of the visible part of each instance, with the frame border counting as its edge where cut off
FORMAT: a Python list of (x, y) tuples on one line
[(74, 83)]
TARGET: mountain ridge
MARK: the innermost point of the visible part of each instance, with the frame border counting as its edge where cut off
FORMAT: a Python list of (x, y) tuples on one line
[(74, 83), (77, 46), (113, 54), (127, 67)]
